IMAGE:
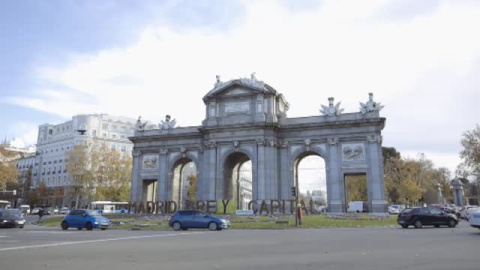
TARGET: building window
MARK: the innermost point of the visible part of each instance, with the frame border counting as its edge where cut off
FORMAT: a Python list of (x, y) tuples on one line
[(105, 126), (94, 133), (113, 147), (124, 148), (50, 131)]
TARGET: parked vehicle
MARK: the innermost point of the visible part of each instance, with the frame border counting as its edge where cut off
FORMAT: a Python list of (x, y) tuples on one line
[(64, 210), (395, 208), (35, 211), (87, 219), (474, 219), (11, 218), (357, 207), (4, 204), (419, 217), (186, 219), (465, 210), (469, 212), (25, 208)]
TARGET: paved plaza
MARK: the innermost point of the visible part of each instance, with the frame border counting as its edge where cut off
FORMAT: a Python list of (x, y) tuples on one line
[(353, 248)]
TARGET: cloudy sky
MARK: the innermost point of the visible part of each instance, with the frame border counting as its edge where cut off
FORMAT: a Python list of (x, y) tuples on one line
[(420, 58)]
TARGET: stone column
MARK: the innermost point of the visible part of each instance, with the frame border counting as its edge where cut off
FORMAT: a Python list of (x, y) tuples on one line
[(458, 192), (210, 171), (335, 183), (136, 184), (260, 195), (439, 194), (376, 181), (162, 186)]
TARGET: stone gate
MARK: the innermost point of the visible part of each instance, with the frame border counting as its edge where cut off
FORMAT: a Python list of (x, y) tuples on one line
[(246, 119)]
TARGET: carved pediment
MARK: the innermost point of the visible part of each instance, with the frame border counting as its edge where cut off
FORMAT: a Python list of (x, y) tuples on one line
[(238, 87)]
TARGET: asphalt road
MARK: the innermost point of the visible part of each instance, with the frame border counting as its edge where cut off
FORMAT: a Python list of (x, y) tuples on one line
[(358, 248)]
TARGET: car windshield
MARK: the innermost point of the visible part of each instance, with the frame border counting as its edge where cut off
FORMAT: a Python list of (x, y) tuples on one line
[(10, 214), (407, 210), (93, 213)]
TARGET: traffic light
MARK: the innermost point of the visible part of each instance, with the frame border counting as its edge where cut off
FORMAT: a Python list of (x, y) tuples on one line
[(294, 191)]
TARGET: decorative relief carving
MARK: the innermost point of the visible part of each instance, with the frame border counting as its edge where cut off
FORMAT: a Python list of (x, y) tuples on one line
[(136, 153), (283, 143), (236, 144), (150, 161), (307, 142), (260, 141), (374, 138), (210, 144), (272, 143), (183, 150), (332, 141), (352, 152), (163, 151)]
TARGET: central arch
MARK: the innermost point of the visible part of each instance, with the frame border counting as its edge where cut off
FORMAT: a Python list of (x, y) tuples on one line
[(183, 182), (238, 179)]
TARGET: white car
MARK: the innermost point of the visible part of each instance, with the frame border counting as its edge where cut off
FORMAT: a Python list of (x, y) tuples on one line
[(465, 211), (64, 210), (395, 208), (470, 210), (35, 211), (474, 218)]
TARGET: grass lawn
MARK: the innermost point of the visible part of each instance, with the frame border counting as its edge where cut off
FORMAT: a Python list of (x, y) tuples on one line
[(126, 222)]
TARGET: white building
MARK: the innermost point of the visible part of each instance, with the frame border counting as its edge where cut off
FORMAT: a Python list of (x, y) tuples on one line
[(55, 141)]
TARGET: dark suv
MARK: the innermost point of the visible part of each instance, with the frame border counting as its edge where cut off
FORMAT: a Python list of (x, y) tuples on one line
[(185, 219), (426, 216)]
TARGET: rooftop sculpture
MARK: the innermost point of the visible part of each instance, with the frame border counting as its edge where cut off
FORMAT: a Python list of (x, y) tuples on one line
[(331, 110), (370, 106)]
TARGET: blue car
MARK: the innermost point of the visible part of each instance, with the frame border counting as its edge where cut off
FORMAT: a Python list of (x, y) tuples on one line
[(85, 219), (186, 219)]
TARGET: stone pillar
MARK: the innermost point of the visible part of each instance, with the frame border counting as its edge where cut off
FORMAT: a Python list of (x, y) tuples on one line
[(136, 184), (335, 182), (162, 185), (376, 181), (439, 194), (458, 192), (260, 194), (210, 171)]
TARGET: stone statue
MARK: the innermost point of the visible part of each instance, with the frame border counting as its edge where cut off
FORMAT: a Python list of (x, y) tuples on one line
[(370, 106), (252, 77), (139, 126), (331, 110), (218, 82), (167, 124)]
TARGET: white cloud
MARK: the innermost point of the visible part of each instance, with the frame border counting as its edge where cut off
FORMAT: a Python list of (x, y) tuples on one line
[(417, 67), (24, 135)]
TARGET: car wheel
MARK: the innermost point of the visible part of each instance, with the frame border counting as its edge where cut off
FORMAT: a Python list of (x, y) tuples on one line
[(64, 225), (103, 229), (89, 226), (452, 223), (79, 229), (418, 224), (21, 227), (123, 211), (404, 226), (212, 226), (177, 226), (437, 226)]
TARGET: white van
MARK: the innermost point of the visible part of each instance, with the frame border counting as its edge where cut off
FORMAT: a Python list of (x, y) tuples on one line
[(25, 208), (357, 207)]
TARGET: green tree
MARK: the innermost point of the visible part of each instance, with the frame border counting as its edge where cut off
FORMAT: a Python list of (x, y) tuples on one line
[(8, 170), (192, 187), (79, 167), (470, 154)]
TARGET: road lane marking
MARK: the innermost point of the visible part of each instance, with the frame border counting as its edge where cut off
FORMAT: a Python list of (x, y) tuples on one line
[(98, 240)]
